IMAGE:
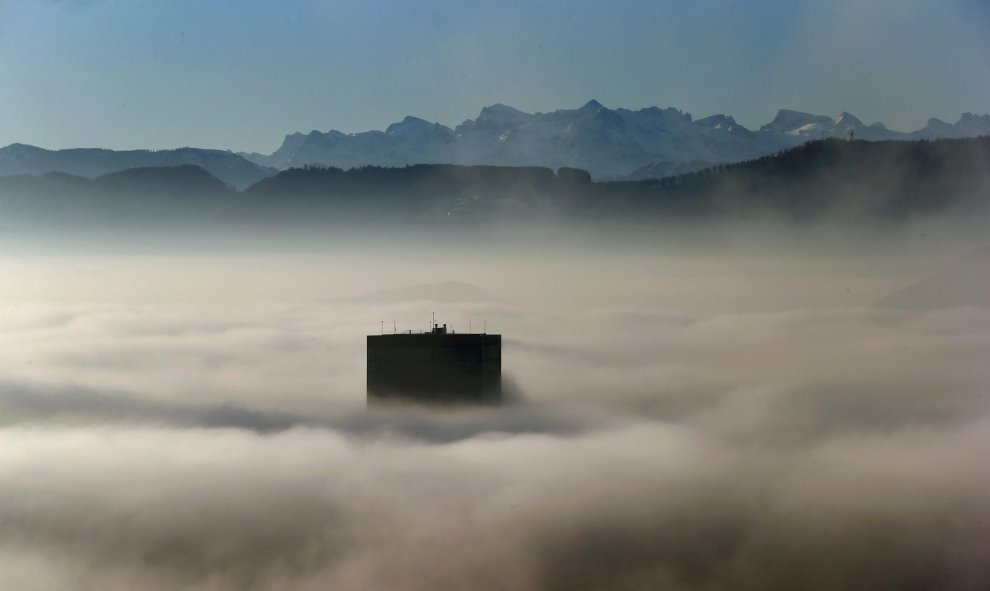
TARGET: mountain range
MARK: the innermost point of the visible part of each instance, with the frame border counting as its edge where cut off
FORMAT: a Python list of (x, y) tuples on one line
[(830, 179), (609, 143), (230, 168)]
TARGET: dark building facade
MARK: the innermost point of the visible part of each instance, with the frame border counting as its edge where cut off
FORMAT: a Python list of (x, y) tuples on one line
[(437, 367)]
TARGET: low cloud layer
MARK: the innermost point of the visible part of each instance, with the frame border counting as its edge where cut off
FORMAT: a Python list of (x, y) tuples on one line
[(213, 447)]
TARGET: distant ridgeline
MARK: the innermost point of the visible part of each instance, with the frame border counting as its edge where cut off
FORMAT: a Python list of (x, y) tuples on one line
[(872, 180), (231, 168)]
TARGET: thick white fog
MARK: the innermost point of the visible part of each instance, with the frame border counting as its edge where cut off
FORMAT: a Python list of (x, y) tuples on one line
[(701, 411)]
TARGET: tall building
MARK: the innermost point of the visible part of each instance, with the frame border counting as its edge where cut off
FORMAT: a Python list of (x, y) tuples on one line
[(436, 367)]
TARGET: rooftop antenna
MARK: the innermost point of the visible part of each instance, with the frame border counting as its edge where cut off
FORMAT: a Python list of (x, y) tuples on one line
[(393, 327), (383, 327)]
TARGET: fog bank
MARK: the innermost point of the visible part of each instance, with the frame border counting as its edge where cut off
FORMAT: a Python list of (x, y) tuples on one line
[(686, 415)]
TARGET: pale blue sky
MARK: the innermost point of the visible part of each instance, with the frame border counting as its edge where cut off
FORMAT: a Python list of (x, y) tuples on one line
[(241, 74)]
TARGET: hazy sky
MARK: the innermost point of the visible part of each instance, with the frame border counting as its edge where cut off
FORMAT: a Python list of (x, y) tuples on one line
[(241, 74)]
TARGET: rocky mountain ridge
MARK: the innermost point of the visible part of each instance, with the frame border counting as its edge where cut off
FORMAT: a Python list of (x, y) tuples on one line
[(609, 143)]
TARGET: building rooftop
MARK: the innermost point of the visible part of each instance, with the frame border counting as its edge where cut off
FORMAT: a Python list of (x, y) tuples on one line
[(437, 366)]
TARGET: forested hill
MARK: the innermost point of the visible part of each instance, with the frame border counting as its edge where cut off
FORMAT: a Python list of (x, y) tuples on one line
[(889, 180), (17, 159)]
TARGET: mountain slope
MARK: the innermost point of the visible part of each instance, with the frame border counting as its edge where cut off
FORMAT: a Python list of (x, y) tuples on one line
[(969, 125), (138, 196), (886, 181), (230, 168)]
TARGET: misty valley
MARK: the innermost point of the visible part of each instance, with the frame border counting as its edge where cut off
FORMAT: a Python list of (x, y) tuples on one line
[(363, 295), (850, 181), (696, 399)]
